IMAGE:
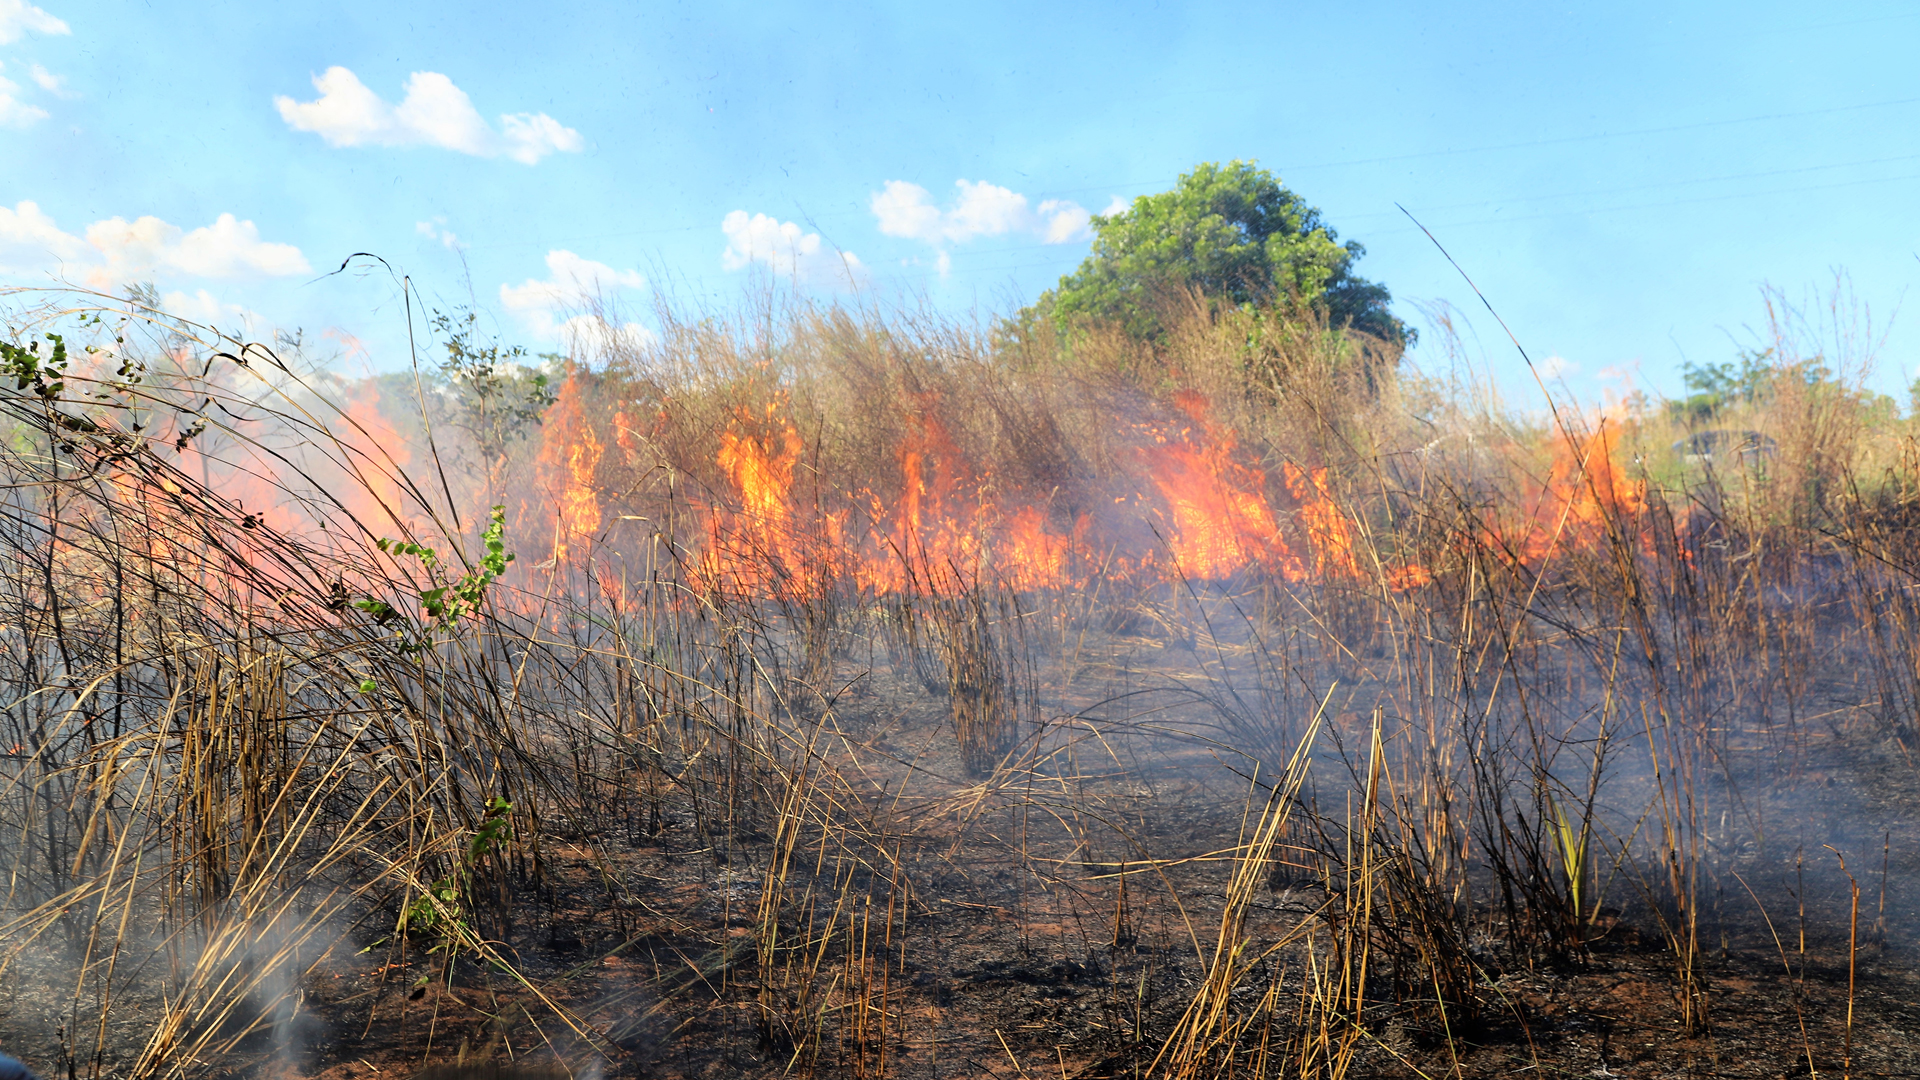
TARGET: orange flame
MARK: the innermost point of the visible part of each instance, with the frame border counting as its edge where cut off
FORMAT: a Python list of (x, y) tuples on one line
[(945, 521), (1327, 527), (623, 435), (762, 471), (932, 528), (947, 526), (1586, 495), (1034, 557), (382, 456), (1219, 520), (759, 546), (570, 456)]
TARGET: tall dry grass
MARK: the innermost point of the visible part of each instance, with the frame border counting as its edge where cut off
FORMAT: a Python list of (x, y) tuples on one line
[(1496, 702)]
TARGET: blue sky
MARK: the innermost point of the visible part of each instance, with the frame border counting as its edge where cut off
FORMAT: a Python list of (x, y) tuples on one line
[(1620, 179)]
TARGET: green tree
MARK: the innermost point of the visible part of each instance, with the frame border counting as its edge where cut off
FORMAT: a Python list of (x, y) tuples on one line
[(1712, 387), (1231, 232), (498, 398)]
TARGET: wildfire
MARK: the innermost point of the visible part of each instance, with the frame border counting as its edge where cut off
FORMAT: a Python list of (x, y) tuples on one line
[(760, 512), (381, 457), (1218, 519), (570, 457), (936, 530), (623, 434), (1326, 526), (761, 544), (941, 531), (1190, 504), (1034, 557), (762, 469), (1586, 494), (366, 475), (946, 526)]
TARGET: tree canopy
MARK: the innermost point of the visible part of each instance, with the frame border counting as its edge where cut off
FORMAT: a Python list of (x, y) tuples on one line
[(1233, 233)]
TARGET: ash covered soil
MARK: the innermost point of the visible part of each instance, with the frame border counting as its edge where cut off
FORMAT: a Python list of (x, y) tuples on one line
[(1059, 919)]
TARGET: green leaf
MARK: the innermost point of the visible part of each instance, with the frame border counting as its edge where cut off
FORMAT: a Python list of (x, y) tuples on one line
[(1234, 234)]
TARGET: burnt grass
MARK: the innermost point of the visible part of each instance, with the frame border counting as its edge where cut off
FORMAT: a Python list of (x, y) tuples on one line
[(1004, 943), (1502, 747)]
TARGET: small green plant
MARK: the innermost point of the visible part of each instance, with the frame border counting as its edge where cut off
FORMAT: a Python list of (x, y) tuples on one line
[(444, 605), (1573, 842), (441, 910), (46, 375)]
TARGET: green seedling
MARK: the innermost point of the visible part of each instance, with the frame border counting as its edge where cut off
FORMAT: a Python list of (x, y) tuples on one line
[(444, 605), (440, 910)]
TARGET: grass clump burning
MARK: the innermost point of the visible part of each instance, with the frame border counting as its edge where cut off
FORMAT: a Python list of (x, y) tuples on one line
[(822, 693)]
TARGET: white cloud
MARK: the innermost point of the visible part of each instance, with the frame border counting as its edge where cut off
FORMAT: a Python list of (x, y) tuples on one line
[(51, 83), (985, 210), (1063, 221), (15, 113), (437, 230), (982, 209), (434, 112), (19, 114), (571, 282), (115, 251), (226, 249), (532, 136), (1117, 206), (30, 241), (19, 18), (591, 335), (786, 249), (209, 310), (1555, 367), (906, 210)]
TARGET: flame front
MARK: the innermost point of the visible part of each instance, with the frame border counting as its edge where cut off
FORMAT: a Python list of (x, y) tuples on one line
[(770, 517), (947, 526), (758, 547), (570, 459), (1586, 500), (1219, 521), (1327, 527)]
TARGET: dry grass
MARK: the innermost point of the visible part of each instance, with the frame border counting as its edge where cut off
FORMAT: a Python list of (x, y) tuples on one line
[(843, 655)]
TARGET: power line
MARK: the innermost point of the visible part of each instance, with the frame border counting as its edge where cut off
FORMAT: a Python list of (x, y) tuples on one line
[(1564, 140), (1663, 205), (1643, 187), (1493, 148), (1558, 141)]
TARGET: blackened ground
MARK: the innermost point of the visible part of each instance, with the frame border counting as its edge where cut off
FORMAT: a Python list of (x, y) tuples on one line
[(1002, 942)]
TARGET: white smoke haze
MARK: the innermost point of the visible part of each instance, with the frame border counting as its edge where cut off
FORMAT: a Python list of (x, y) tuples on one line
[(849, 669)]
